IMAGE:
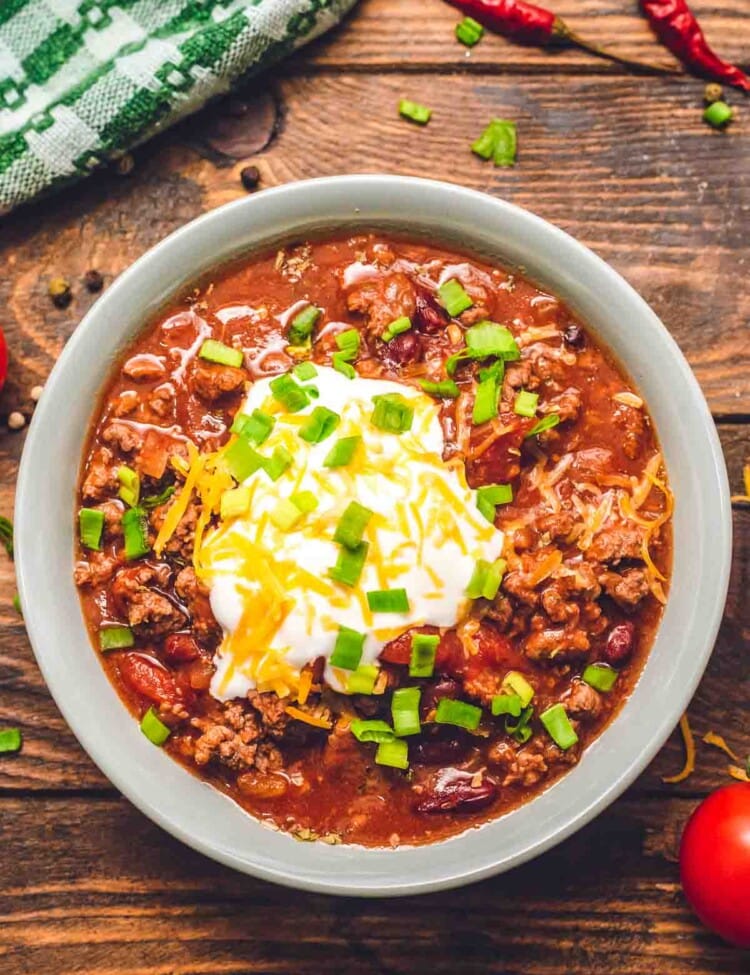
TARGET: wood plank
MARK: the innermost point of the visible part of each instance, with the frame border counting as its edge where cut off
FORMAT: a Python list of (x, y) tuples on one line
[(414, 34), (52, 759), (84, 881), (662, 202)]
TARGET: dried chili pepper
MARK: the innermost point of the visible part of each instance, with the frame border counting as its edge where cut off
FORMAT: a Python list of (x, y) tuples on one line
[(530, 24), (675, 25)]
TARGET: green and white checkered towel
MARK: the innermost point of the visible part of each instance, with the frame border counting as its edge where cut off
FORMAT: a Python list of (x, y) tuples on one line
[(81, 81)]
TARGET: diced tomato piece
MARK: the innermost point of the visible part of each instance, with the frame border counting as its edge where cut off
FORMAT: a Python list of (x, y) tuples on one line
[(147, 677), (180, 648)]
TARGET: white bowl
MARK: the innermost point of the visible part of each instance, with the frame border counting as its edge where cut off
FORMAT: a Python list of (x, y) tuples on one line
[(192, 810)]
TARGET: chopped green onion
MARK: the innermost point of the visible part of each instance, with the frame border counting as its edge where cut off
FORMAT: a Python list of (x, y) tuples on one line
[(349, 564), (423, 649), (156, 500), (485, 401), (154, 729), (305, 501), (362, 680), (546, 423), (17, 604), (392, 413), (516, 683), (394, 754), (115, 638), (242, 460), (292, 396), (414, 111), (348, 342), (388, 601), (256, 427), (601, 677), (285, 515), (10, 740), (526, 403), (718, 114), (469, 31), (405, 711), (305, 371), (319, 425), (453, 297), (6, 535), (342, 451), (352, 524), (225, 355), (498, 142), (341, 364), (396, 327), (458, 713), (130, 485), (559, 728), (234, 503), (507, 704), (371, 730), (447, 388), (488, 338), (302, 325), (486, 578), (91, 526), (491, 495), (453, 362), (279, 461), (347, 652), (135, 531), (520, 730)]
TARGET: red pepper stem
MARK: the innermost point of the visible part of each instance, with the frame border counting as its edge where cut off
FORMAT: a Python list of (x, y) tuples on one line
[(561, 31)]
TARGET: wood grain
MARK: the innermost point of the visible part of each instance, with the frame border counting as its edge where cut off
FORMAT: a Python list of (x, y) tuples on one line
[(88, 885), (119, 896)]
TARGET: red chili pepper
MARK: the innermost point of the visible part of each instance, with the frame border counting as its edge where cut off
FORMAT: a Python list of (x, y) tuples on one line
[(530, 24), (675, 25)]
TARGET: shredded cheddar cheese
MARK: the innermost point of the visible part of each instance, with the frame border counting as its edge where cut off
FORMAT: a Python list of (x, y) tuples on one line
[(689, 742), (310, 719), (718, 742)]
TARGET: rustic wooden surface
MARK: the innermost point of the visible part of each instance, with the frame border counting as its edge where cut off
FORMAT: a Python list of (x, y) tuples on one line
[(87, 885)]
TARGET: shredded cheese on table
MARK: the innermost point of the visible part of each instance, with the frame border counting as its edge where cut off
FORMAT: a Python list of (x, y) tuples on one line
[(689, 742)]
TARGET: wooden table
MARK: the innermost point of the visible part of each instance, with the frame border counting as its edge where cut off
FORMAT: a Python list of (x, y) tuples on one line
[(624, 163)]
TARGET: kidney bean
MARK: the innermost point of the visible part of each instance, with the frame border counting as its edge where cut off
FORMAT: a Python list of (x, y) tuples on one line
[(180, 648), (148, 677), (261, 786), (428, 315), (574, 336), (439, 749), (620, 643), (406, 347), (443, 687), (453, 791)]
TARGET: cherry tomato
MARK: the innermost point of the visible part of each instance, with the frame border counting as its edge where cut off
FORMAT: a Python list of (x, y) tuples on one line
[(715, 863), (3, 359)]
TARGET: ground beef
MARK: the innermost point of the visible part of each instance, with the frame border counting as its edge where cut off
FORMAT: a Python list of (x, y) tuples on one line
[(98, 569), (519, 375), (583, 702), (144, 368), (555, 645), (633, 424), (196, 597), (211, 381), (616, 541), (113, 512), (148, 611), (162, 401), (520, 765), (272, 713), (123, 435), (101, 476), (181, 540), (567, 405), (558, 525), (627, 588), (383, 299)]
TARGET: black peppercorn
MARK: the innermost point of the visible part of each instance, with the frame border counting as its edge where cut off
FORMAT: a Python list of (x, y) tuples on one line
[(93, 281), (60, 293), (250, 177)]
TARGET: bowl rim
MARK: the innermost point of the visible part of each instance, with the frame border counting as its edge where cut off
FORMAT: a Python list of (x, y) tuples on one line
[(345, 874)]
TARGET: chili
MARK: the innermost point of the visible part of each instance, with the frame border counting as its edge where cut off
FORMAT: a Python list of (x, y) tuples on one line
[(677, 28), (531, 24)]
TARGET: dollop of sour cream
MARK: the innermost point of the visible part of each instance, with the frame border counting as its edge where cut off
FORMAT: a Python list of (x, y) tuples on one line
[(270, 589)]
